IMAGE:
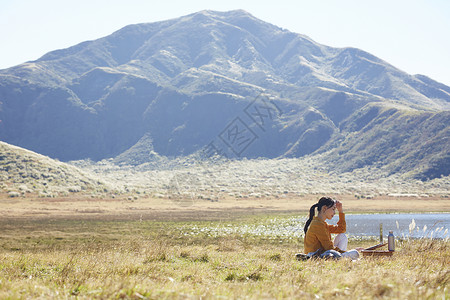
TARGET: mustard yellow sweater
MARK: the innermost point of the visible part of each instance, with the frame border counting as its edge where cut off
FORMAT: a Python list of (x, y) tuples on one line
[(319, 234)]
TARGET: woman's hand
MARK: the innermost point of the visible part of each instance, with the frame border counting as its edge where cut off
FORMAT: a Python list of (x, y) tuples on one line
[(339, 206)]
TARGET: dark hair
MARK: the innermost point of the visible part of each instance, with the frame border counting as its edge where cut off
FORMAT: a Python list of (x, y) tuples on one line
[(324, 201)]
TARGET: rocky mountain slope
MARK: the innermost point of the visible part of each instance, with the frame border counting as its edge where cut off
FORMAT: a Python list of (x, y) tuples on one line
[(227, 83)]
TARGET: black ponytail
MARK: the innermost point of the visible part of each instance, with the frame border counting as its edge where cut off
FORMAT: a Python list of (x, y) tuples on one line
[(324, 201), (311, 215)]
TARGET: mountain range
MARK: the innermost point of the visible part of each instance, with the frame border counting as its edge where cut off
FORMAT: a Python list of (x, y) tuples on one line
[(225, 83)]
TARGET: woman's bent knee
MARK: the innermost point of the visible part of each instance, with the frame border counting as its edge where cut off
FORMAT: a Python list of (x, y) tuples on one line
[(341, 241), (353, 254)]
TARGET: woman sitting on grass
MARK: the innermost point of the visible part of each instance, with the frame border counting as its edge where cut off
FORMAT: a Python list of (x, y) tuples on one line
[(318, 241)]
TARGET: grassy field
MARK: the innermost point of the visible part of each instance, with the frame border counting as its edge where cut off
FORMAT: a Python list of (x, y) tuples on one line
[(182, 229), (144, 257), (128, 207)]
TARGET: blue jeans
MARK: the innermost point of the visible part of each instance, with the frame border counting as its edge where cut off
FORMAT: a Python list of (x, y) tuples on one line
[(341, 242), (330, 254)]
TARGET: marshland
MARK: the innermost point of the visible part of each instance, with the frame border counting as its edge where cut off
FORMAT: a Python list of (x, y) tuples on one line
[(173, 252)]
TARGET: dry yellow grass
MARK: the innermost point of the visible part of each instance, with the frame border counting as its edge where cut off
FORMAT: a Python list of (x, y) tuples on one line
[(155, 260)]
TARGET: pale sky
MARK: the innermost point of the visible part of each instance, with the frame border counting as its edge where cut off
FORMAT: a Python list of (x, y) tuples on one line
[(412, 35)]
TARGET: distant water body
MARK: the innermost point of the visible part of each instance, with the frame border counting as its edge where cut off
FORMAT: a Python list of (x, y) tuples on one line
[(435, 225)]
